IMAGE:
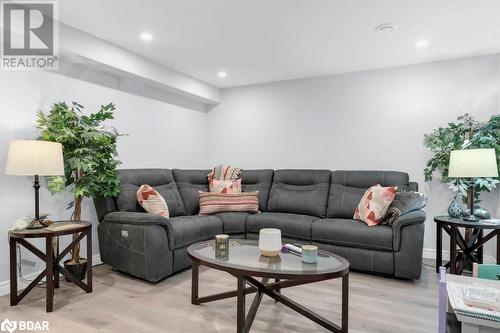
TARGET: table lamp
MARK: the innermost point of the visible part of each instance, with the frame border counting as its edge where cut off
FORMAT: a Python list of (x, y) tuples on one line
[(472, 163), (35, 158)]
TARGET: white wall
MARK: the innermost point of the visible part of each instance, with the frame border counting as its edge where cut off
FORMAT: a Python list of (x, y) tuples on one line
[(366, 120), (159, 135)]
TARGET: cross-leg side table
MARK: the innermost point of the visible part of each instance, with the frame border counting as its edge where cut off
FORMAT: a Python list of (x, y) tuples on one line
[(464, 251), (52, 260)]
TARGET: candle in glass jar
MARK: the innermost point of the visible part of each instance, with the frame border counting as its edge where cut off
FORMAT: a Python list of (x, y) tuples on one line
[(309, 254), (222, 246)]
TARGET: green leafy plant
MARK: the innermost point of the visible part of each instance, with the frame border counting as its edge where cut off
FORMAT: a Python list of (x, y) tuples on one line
[(89, 149), (466, 133)]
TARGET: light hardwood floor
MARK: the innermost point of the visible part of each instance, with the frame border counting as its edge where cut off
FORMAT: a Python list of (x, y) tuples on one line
[(122, 304)]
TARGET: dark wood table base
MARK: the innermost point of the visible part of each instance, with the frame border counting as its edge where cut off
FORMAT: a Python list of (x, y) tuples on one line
[(273, 290), (462, 252), (52, 267)]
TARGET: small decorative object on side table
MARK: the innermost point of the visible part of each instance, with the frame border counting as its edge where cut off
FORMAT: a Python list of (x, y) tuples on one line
[(51, 258), (455, 209), (471, 251)]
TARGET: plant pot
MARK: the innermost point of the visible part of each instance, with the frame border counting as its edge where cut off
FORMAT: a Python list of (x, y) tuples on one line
[(78, 270)]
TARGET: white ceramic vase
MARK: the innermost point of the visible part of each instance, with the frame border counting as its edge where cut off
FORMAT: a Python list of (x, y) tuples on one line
[(270, 242)]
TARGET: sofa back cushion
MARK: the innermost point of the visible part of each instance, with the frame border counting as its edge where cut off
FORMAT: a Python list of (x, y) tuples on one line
[(161, 180), (258, 180), (190, 182), (299, 191), (347, 188)]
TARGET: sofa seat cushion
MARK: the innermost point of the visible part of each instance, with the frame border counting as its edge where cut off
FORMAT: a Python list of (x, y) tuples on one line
[(291, 225), (352, 233), (187, 230), (233, 222)]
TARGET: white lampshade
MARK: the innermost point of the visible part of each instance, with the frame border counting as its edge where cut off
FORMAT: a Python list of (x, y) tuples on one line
[(270, 242), (472, 163), (29, 158)]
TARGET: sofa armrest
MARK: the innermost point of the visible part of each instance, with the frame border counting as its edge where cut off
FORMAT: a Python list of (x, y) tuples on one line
[(104, 206), (410, 218), (139, 244), (413, 186), (140, 219)]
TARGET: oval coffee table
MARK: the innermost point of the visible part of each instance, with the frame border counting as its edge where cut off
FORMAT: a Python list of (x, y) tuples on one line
[(245, 263)]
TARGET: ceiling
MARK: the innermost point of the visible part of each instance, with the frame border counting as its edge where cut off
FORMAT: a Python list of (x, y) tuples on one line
[(257, 41)]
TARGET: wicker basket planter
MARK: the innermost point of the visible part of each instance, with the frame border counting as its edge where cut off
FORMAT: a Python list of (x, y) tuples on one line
[(77, 270)]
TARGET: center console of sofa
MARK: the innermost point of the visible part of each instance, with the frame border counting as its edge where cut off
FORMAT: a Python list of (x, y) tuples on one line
[(308, 206)]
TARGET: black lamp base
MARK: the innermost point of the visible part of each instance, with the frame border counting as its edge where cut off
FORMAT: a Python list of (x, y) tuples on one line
[(471, 218), (470, 201), (36, 223)]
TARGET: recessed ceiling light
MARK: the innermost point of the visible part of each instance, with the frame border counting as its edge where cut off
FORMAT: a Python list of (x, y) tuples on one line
[(385, 28), (222, 74), (146, 36), (421, 43)]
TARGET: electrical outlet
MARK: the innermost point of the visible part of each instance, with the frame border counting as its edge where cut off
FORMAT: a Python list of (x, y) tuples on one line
[(28, 262), (124, 233)]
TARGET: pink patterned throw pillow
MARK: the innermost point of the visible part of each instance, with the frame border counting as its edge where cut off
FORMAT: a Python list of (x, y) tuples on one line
[(374, 204), (225, 186), (152, 201), (224, 172)]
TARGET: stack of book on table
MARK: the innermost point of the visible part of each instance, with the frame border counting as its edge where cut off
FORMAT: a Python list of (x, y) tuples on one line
[(475, 300)]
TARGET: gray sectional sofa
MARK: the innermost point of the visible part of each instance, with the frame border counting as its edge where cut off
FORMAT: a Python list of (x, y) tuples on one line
[(309, 206)]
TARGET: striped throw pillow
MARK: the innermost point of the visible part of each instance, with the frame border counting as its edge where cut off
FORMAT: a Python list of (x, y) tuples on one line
[(211, 203)]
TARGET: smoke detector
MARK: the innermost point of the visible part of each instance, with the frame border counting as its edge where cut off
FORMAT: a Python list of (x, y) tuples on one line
[(385, 28)]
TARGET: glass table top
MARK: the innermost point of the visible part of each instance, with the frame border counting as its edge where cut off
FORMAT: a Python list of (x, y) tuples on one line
[(245, 255), (459, 222)]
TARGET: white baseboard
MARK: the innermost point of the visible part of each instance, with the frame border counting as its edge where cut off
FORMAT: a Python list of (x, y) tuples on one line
[(431, 254), (5, 285)]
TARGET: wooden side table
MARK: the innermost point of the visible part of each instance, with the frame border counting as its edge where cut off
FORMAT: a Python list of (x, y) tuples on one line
[(471, 250), (51, 258)]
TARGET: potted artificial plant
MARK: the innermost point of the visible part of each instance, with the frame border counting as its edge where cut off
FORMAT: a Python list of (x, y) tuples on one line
[(90, 161), (466, 133)]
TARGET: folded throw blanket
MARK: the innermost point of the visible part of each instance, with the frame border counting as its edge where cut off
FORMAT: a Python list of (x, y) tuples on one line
[(224, 172), (403, 203)]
